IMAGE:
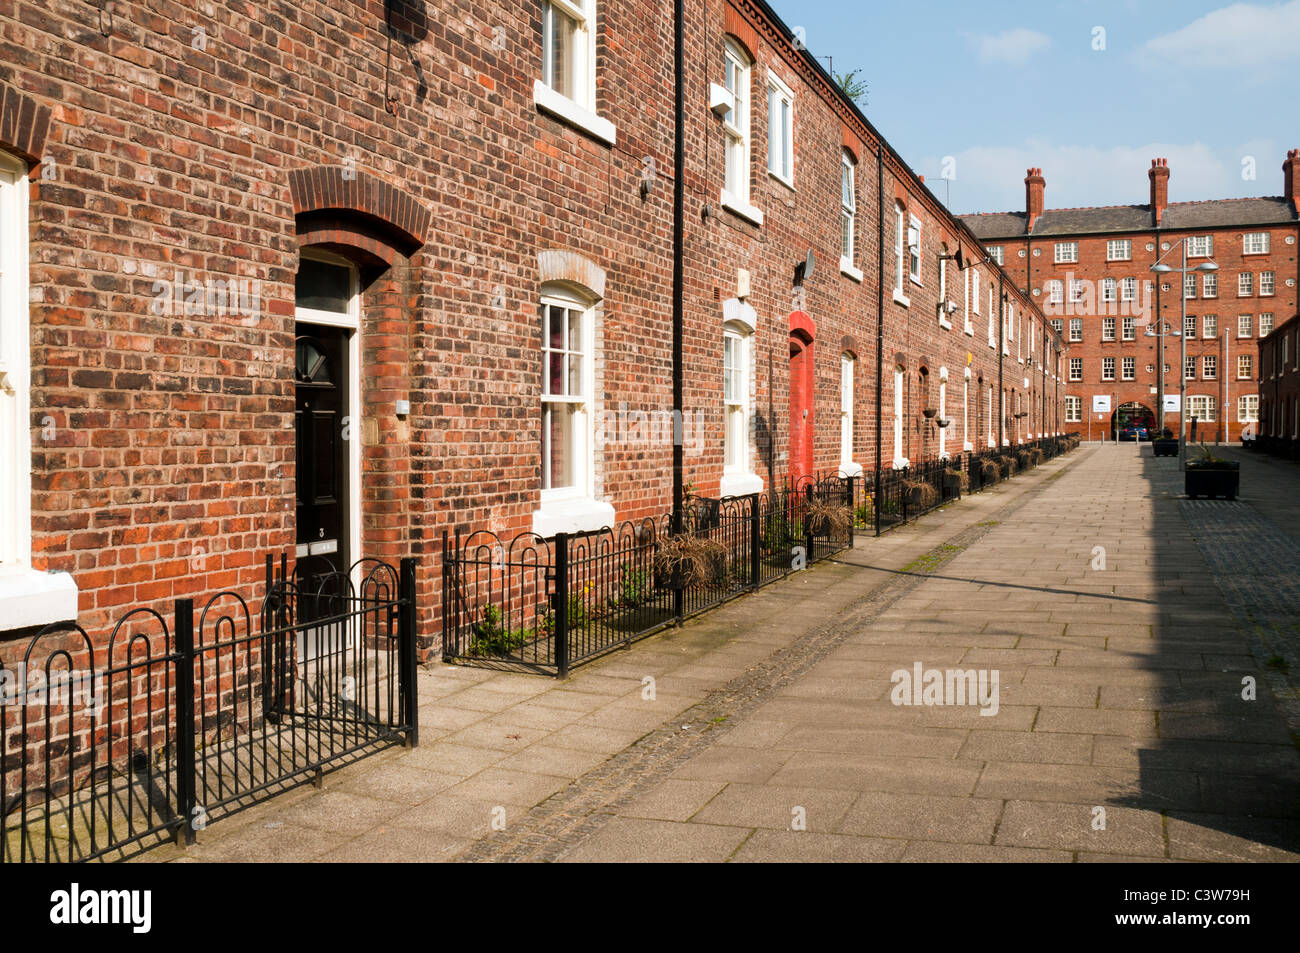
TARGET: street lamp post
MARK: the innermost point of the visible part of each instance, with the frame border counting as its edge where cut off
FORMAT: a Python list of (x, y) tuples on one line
[(1162, 269)]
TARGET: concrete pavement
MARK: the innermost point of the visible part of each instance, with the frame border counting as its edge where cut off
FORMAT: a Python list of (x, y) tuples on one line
[(767, 731)]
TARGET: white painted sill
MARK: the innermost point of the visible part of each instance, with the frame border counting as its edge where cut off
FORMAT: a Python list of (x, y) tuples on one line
[(900, 298), (969, 330), (740, 484), (945, 323), (788, 183), (565, 109), (846, 268), (572, 516), (29, 597), (900, 463), (741, 208), (849, 469)]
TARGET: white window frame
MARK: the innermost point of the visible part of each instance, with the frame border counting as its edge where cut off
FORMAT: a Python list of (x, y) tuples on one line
[(1073, 409), (1108, 329), (738, 476), (1205, 403), (1189, 326), (737, 124), (900, 378), (1128, 328), (1076, 330), (1209, 367), (1200, 246), (914, 238), (943, 287), (27, 597), (780, 130), (1109, 289), (849, 216), (996, 253), (1246, 284), (943, 413), (1108, 368), (1128, 368), (1066, 253), (1075, 369), (848, 365), (1265, 321), (1266, 284), (900, 250), (1255, 243), (583, 448), (1209, 286), (1209, 326), (1189, 368), (1245, 325), (1119, 249), (1248, 409), (1189, 286), (578, 110), (1246, 362), (1128, 289)]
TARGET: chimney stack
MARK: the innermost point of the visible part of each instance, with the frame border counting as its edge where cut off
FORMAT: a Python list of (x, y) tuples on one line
[(1290, 180), (1035, 184), (1159, 174)]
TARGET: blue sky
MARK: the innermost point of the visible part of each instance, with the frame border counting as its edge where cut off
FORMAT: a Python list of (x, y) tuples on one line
[(1003, 86)]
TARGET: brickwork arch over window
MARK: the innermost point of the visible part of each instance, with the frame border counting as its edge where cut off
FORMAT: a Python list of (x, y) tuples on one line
[(344, 205), (24, 124)]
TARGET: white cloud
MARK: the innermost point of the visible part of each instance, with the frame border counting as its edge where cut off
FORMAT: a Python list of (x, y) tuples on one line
[(1011, 47), (1241, 35), (991, 178)]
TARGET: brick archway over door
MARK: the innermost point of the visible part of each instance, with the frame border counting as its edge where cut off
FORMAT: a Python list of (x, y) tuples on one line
[(803, 334)]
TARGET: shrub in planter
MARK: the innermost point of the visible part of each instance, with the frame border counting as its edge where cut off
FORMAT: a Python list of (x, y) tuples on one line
[(955, 480), (919, 493), (989, 472), (688, 561), (827, 519), (1006, 465), (1022, 460), (1036, 457), (1211, 476)]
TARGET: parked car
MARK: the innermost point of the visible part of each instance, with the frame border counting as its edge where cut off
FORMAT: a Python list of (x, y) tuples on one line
[(1134, 432)]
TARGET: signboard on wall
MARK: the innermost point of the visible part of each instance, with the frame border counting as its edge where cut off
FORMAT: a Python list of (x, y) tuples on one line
[(1172, 402), (1101, 403)]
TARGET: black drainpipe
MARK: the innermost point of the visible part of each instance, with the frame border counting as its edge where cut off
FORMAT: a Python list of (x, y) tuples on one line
[(679, 202), (880, 317)]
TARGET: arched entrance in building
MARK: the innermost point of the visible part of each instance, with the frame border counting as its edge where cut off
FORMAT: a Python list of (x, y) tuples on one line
[(1129, 417), (802, 336)]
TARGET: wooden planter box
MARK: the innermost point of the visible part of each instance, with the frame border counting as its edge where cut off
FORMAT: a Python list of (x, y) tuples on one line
[(1161, 447), (1221, 479)]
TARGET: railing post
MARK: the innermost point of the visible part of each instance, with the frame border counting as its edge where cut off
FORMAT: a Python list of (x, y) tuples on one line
[(809, 549), (755, 542), (876, 501), (409, 687), (852, 511), (562, 604), (186, 786)]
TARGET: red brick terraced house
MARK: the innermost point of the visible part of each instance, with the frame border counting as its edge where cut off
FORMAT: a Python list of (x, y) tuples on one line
[(1279, 391), (1088, 269), (332, 279)]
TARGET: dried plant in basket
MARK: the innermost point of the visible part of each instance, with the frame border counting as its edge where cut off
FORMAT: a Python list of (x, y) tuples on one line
[(688, 561), (920, 493), (989, 471), (960, 475), (826, 518)]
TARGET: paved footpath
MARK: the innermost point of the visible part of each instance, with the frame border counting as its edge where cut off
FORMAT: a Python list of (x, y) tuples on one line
[(1121, 729)]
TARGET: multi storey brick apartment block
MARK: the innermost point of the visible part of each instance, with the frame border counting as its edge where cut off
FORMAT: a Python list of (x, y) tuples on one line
[(332, 279), (1279, 390), (1089, 269)]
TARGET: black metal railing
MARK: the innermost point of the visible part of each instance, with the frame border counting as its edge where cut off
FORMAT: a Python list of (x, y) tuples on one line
[(168, 726), (548, 604)]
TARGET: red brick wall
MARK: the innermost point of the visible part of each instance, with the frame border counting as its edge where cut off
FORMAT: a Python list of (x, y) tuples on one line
[(173, 134)]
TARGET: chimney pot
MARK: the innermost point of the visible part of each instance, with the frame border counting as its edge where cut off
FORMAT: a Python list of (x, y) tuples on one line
[(1034, 188), (1290, 180), (1159, 175)]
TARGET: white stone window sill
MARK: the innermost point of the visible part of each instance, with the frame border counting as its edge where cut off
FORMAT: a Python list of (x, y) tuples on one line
[(900, 298), (565, 109), (740, 484), (572, 516), (849, 469), (29, 597), (969, 330), (968, 447), (846, 268), (945, 323), (741, 208), (900, 463), (788, 183)]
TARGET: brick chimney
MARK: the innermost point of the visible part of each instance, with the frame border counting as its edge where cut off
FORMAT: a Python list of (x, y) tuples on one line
[(1035, 184), (1290, 180), (1159, 173)]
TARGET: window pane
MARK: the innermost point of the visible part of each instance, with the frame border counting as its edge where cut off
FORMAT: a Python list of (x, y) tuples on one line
[(322, 286), (557, 445)]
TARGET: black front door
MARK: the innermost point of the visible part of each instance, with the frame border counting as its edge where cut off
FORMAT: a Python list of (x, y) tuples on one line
[(322, 498)]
